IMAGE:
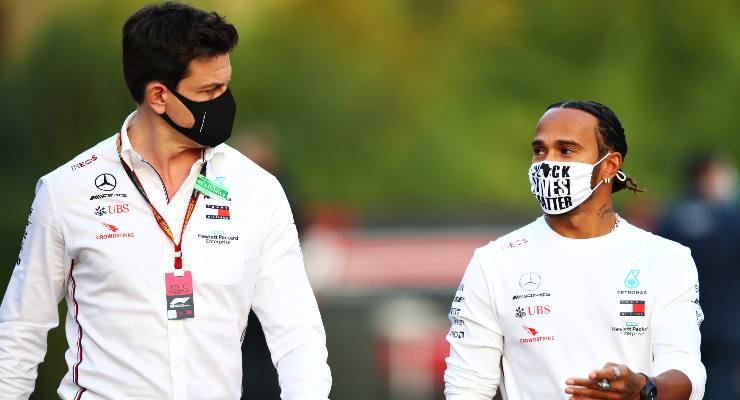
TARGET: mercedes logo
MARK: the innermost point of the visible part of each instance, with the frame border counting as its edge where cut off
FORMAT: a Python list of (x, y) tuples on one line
[(105, 182), (530, 281)]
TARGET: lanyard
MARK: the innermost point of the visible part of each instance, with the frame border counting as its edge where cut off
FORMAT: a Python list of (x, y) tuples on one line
[(157, 216)]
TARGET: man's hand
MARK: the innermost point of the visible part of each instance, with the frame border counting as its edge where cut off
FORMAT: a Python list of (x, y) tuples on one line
[(623, 385)]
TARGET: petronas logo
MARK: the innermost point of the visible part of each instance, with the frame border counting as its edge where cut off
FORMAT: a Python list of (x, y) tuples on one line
[(631, 280)]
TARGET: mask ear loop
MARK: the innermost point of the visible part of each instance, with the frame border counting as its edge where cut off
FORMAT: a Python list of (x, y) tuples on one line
[(606, 180), (620, 175)]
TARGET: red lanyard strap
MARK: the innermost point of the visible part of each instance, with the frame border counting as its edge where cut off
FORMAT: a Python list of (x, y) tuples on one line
[(157, 216)]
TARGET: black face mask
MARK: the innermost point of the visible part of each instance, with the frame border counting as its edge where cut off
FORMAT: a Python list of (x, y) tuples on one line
[(213, 119)]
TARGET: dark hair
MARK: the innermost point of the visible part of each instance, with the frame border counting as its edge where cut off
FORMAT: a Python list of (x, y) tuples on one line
[(696, 167), (160, 40), (609, 135)]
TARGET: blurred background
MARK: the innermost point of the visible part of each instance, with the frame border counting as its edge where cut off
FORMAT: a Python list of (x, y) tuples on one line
[(401, 131)]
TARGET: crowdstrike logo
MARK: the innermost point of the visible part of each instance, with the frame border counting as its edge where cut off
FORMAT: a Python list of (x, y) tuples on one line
[(115, 234), (530, 330), (534, 336), (110, 227)]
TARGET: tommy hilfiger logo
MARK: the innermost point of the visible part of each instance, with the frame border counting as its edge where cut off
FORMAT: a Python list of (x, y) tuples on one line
[(217, 212), (636, 308)]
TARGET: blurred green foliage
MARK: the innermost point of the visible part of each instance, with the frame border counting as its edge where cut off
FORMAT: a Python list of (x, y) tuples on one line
[(402, 110)]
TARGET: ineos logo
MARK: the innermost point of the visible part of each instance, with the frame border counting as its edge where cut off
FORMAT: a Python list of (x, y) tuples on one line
[(530, 281), (105, 182)]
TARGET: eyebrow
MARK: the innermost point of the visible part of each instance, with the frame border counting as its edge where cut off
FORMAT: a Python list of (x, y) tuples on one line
[(573, 143), (559, 142), (214, 85)]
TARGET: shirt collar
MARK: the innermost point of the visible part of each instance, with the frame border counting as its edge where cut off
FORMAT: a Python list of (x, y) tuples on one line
[(130, 155)]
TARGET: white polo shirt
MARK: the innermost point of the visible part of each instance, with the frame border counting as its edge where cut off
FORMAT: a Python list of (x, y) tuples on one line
[(544, 308), (91, 239)]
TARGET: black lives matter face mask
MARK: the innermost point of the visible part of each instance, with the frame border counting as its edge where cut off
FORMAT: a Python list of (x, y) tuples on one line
[(214, 119), (562, 186)]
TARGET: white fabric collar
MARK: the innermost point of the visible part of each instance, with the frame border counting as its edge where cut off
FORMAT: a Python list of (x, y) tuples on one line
[(130, 155)]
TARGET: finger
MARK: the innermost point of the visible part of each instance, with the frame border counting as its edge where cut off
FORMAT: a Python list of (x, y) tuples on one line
[(582, 398), (608, 372), (578, 392), (585, 382), (616, 386)]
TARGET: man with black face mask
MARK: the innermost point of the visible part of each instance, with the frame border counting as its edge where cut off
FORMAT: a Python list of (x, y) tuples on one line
[(161, 239), (578, 304)]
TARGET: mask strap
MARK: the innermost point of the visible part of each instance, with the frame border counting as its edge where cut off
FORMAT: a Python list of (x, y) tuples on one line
[(602, 159), (620, 175)]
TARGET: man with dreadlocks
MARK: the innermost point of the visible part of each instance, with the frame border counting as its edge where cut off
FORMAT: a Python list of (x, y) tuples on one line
[(578, 304)]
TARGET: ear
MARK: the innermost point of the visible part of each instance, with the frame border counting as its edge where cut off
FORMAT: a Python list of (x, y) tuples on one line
[(611, 165), (155, 96)]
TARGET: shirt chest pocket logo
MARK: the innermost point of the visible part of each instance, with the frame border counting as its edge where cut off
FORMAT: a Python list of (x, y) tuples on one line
[(217, 257)]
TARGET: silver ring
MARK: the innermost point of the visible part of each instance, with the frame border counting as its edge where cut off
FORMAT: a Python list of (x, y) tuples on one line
[(605, 385), (617, 373)]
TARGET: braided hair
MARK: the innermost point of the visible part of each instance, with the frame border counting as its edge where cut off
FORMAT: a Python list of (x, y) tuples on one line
[(609, 135)]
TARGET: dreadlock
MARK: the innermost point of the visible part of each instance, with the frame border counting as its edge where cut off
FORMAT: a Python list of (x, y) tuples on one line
[(610, 135)]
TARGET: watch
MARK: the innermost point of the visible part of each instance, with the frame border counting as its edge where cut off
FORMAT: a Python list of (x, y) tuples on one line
[(649, 391)]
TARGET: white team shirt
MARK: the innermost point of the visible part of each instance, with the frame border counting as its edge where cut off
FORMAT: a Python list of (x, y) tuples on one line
[(91, 239), (544, 308)]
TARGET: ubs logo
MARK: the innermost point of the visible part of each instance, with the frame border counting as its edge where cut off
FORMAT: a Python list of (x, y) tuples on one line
[(521, 312), (530, 281), (105, 182), (112, 209)]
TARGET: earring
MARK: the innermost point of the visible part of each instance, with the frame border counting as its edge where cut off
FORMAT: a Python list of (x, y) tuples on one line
[(607, 180)]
